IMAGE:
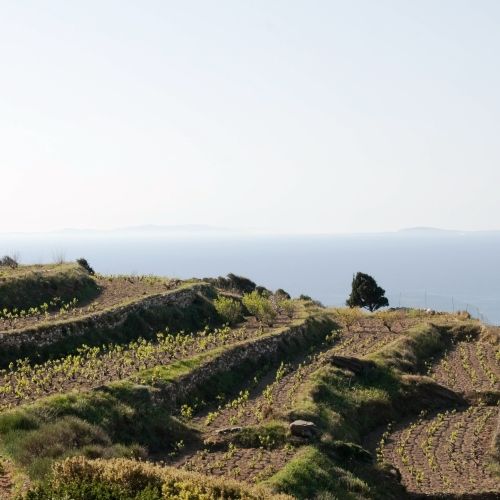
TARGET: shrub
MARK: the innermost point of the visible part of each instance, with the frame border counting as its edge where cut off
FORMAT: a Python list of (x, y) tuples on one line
[(260, 307), (287, 306), (348, 316), (282, 294), (229, 310), (84, 263), (232, 283), (82, 479), (262, 290), (9, 261)]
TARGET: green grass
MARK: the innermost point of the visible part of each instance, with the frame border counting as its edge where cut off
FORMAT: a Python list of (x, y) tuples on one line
[(346, 407), (312, 474), (127, 418), (144, 322), (422, 344), (31, 286)]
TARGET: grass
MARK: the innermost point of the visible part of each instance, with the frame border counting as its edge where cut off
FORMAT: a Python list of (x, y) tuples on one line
[(81, 479), (143, 322), (128, 418), (31, 286), (421, 344), (346, 407)]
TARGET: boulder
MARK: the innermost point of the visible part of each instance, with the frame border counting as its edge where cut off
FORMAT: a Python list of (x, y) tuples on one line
[(228, 430), (355, 365), (303, 428)]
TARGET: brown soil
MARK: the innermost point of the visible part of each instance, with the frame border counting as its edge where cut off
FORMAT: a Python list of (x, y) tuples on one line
[(115, 291), (469, 366), (446, 452), (269, 398), (245, 464), (92, 374)]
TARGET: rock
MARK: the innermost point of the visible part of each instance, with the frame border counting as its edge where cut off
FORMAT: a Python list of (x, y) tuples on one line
[(228, 430), (355, 365), (303, 428), (393, 472)]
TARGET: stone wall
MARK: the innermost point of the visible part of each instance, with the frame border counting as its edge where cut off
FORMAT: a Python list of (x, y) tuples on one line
[(50, 333), (272, 348)]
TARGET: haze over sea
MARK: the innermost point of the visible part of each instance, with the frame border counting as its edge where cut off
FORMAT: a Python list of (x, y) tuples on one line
[(443, 270)]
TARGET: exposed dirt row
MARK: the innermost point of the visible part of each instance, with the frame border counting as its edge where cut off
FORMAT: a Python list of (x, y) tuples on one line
[(469, 366), (268, 397), (445, 452), (84, 372), (114, 291)]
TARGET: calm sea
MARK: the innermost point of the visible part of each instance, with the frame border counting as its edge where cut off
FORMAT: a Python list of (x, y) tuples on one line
[(445, 271)]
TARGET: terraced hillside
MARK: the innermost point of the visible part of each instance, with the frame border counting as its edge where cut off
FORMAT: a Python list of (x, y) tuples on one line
[(156, 388)]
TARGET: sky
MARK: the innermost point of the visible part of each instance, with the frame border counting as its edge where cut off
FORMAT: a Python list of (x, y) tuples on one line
[(280, 115)]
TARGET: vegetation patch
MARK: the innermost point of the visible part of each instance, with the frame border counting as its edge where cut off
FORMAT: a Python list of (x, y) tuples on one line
[(32, 286), (82, 479)]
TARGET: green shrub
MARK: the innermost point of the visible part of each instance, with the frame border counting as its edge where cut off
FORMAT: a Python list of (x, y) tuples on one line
[(84, 263), (81, 479), (287, 306), (229, 310), (260, 307)]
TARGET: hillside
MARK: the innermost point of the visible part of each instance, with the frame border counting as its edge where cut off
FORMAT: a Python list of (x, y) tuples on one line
[(141, 387)]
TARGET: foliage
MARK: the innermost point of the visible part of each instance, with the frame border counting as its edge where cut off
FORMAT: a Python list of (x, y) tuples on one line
[(366, 293), (84, 263), (232, 283), (347, 317), (229, 309), (260, 307), (82, 479), (9, 261), (30, 286), (282, 294), (287, 307)]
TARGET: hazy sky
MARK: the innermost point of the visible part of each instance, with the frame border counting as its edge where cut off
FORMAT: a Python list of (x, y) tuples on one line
[(303, 116)]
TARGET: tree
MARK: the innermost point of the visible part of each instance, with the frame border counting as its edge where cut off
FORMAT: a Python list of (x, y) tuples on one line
[(366, 293)]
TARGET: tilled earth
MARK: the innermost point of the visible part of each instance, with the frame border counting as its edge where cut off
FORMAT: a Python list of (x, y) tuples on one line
[(268, 398), (114, 291), (445, 452)]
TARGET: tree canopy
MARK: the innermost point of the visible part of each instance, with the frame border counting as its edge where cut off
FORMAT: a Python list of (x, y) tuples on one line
[(366, 293)]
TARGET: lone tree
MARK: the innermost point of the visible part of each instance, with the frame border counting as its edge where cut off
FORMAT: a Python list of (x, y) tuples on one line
[(366, 293)]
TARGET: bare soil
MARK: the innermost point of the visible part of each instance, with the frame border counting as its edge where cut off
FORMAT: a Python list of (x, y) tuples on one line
[(446, 452), (115, 291)]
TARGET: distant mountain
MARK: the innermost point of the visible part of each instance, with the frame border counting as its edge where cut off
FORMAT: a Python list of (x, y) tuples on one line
[(424, 229), (149, 228)]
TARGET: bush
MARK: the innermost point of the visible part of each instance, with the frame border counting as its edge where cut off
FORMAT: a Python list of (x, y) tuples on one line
[(84, 263), (229, 310), (287, 306), (348, 317), (260, 307), (282, 294), (119, 479), (232, 283), (9, 261)]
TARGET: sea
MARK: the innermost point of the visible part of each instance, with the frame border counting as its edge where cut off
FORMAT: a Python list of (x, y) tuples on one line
[(441, 270)]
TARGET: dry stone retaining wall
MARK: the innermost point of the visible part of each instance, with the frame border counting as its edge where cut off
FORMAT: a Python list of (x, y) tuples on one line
[(48, 334)]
